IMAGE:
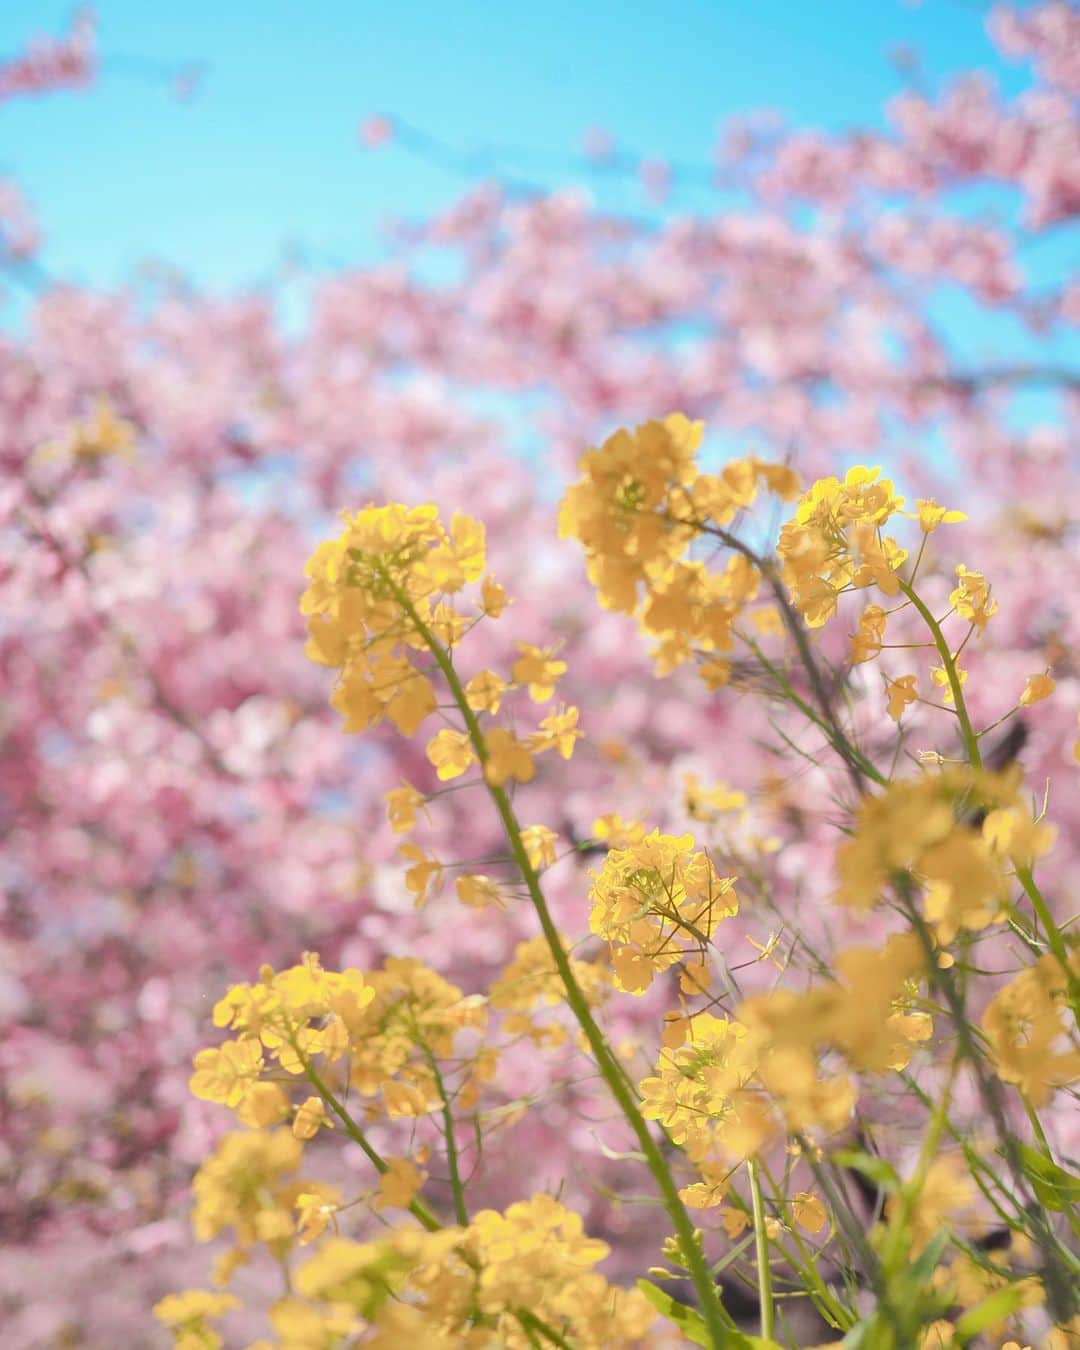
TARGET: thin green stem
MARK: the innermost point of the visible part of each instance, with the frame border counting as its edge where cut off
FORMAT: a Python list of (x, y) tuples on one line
[(795, 626), (967, 731), (416, 1208), (850, 753), (1061, 1292), (717, 1319), (897, 1253), (461, 1213), (1055, 938), (761, 1251), (806, 1265), (530, 1322)]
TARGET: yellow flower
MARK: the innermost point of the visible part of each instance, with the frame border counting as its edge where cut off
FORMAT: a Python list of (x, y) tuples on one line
[(808, 1211), (866, 642), (930, 515), (187, 1314), (484, 692), (557, 731), (316, 1209), (228, 1073), (399, 1184), (373, 596), (947, 1193), (493, 598), (834, 542), (539, 844), (266, 1104), (402, 805), (1036, 689), (901, 692), (618, 833), (479, 892), (450, 752), (507, 758), (1025, 1025), (696, 1086), (715, 674), (242, 1177), (708, 804), (971, 597), (531, 978), (940, 676), (100, 435), (537, 668), (425, 874), (654, 901), (1010, 830), (310, 1118)]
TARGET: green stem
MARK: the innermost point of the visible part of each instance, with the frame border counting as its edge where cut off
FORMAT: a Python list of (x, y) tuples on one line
[(461, 1213), (851, 754), (717, 1319), (416, 1208), (1054, 936), (1060, 1290), (897, 1253), (530, 1322), (967, 731), (761, 1249), (794, 624), (805, 1264)]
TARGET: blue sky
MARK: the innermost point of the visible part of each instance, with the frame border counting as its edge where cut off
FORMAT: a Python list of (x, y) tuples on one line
[(267, 154)]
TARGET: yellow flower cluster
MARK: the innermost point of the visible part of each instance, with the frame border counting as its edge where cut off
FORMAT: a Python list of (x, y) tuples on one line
[(389, 1024), (249, 1184), (654, 902), (867, 1013), (531, 981), (712, 1091), (311, 1050), (98, 436), (377, 610), (921, 828), (387, 565), (490, 1283), (834, 542), (639, 505), (697, 1088), (188, 1316), (1027, 1029)]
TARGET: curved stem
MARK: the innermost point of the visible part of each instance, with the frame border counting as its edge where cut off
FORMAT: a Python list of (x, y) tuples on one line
[(850, 753), (761, 1249), (530, 1322), (416, 1208), (795, 626), (1055, 938), (717, 1319), (461, 1213), (967, 731)]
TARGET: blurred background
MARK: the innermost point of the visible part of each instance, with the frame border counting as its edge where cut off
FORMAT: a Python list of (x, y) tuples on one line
[(260, 263), (236, 146)]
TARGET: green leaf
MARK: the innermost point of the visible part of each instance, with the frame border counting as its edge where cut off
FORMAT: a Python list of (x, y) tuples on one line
[(870, 1334), (691, 1324), (732, 1255), (1054, 1188), (875, 1169), (1001, 1304), (688, 1320), (920, 1270)]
